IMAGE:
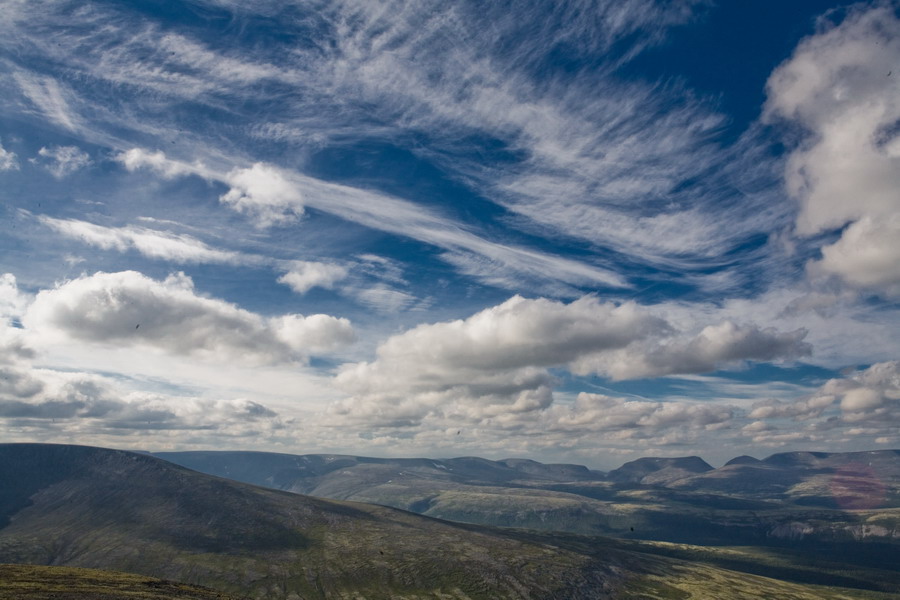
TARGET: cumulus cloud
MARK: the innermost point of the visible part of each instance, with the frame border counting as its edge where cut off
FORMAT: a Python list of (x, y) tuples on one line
[(12, 301), (715, 345), (840, 87), (264, 192), (151, 243), (639, 418), (62, 161), (158, 402), (13, 346), (864, 404), (800, 410), (130, 309), (499, 359), (305, 275), (8, 160), (46, 403), (871, 395), (867, 255), (313, 334)]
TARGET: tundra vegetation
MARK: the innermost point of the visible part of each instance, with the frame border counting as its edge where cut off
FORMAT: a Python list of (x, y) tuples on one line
[(70, 506)]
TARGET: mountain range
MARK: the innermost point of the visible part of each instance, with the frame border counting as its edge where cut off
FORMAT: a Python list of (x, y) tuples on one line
[(788, 497), (72, 506)]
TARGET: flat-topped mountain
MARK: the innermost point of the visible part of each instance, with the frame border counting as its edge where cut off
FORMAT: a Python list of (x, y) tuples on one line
[(860, 480), (658, 470)]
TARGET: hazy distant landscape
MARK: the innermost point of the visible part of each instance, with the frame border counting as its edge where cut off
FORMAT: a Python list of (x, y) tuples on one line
[(795, 497)]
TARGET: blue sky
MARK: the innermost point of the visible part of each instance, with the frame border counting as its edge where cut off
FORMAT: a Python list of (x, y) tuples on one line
[(577, 231)]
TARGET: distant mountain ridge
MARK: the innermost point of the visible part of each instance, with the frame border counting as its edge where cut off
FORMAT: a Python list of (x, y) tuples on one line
[(786, 496), (308, 473), (285, 470)]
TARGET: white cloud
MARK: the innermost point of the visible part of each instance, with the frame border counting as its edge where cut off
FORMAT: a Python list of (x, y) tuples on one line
[(640, 419), (305, 275), (45, 404), (865, 405), (13, 345), (50, 97), (867, 255), (839, 85), (12, 301), (871, 395), (62, 161), (804, 409), (130, 309), (384, 299), (8, 160), (164, 245), (313, 334), (137, 158), (498, 359), (715, 346), (264, 192)]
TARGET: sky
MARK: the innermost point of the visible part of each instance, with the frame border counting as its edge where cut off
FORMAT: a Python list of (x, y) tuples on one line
[(575, 231)]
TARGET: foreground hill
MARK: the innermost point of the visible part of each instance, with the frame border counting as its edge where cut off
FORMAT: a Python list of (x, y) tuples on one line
[(835, 499), (91, 507), (33, 582), (97, 508)]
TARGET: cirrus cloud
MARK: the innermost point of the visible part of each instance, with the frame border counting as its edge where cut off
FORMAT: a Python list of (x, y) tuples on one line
[(151, 243)]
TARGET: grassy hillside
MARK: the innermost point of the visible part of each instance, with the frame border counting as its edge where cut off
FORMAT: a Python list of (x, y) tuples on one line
[(97, 508), (34, 582), (116, 510)]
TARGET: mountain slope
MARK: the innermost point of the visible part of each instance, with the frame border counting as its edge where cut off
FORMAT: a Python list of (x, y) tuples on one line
[(109, 509), (66, 583), (91, 507)]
